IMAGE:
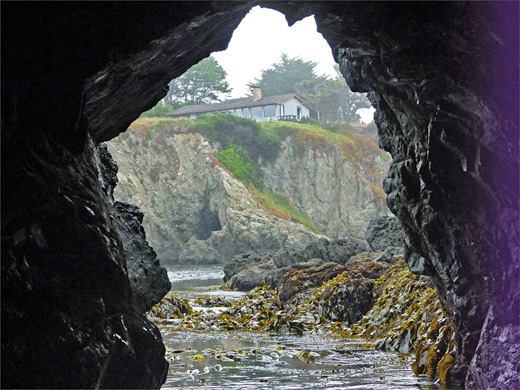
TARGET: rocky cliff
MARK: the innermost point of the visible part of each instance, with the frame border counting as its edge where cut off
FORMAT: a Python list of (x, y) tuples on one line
[(196, 211), (338, 188)]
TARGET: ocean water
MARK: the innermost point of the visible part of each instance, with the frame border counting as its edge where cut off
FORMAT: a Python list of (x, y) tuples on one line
[(252, 360)]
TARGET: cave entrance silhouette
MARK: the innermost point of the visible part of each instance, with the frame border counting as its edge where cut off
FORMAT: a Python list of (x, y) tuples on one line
[(443, 77)]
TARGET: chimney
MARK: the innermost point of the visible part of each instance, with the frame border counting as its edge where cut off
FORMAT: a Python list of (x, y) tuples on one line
[(257, 93)]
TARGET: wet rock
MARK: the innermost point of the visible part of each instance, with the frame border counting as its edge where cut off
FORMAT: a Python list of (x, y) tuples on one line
[(149, 281), (273, 278), (337, 251), (383, 232), (408, 317), (297, 281), (252, 276), (251, 270), (350, 295), (170, 307), (67, 304), (495, 338), (244, 261), (417, 264), (385, 257)]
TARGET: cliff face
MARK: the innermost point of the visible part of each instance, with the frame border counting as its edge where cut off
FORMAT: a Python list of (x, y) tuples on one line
[(329, 185), (195, 210)]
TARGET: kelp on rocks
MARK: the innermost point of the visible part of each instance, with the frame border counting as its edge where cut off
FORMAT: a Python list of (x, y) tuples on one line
[(387, 305), (408, 317)]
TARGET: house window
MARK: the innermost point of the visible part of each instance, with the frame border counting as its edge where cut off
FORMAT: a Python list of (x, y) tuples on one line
[(257, 112), (299, 112), (269, 110)]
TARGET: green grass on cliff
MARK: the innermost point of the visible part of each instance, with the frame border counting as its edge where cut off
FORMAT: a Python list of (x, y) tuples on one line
[(283, 129), (245, 143), (281, 208)]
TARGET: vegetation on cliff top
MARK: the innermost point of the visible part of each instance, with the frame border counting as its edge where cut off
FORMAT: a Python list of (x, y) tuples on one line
[(246, 143)]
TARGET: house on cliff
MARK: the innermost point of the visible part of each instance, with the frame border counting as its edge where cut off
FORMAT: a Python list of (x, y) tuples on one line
[(256, 107)]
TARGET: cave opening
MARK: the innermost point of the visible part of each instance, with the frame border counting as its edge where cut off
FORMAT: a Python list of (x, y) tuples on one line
[(302, 56), (199, 218), (444, 80)]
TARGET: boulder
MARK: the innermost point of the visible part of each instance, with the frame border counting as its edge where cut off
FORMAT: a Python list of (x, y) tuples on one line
[(336, 251), (383, 232), (252, 276), (149, 281), (244, 261), (350, 295)]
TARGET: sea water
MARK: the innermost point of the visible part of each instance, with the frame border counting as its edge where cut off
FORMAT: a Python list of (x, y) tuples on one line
[(252, 360)]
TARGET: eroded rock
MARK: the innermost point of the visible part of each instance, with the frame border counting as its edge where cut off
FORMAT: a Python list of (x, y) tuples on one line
[(384, 232), (443, 77), (196, 211), (66, 299)]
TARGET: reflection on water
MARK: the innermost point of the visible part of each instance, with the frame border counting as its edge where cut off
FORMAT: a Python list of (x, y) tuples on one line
[(218, 360)]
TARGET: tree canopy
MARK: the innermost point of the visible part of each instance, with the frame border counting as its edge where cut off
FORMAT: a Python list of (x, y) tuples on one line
[(332, 100), (203, 83), (283, 75)]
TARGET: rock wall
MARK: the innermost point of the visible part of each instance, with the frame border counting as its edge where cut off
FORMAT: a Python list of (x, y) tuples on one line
[(444, 113), (195, 210), (67, 302), (443, 77), (328, 185)]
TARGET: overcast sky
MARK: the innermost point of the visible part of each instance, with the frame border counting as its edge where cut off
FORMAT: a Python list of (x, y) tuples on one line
[(259, 41)]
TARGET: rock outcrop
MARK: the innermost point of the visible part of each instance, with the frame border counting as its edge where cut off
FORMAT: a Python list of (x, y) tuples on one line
[(384, 232), (249, 270), (443, 77), (196, 211), (148, 280), (328, 184)]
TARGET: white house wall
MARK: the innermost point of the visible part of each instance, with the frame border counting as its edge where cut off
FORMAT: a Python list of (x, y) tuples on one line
[(291, 107)]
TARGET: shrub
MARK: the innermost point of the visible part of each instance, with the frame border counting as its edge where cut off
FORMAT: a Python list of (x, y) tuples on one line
[(234, 158)]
